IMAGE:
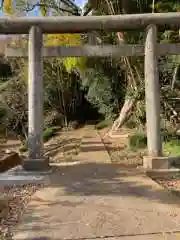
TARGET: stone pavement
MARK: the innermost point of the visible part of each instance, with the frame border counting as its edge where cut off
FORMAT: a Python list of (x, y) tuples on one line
[(98, 200)]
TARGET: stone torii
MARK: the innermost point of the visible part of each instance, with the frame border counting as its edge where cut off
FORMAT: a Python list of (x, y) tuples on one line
[(35, 27)]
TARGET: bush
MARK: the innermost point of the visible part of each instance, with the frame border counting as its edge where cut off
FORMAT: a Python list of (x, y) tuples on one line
[(103, 124), (137, 141), (168, 135), (131, 124), (53, 118), (73, 125), (48, 134), (172, 147), (24, 147)]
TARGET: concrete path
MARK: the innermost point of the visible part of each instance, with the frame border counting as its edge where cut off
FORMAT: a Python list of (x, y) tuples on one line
[(97, 200)]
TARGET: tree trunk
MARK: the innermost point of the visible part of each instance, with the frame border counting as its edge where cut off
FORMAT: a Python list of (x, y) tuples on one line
[(127, 108), (124, 115), (129, 103), (175, 73)]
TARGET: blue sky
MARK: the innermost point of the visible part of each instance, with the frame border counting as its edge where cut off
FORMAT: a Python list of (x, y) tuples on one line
[(36, 11), (80, 2)]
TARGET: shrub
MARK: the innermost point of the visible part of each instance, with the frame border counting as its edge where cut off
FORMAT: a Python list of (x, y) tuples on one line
[(103, 124), (137, 141), (47, 134), (172, 147)]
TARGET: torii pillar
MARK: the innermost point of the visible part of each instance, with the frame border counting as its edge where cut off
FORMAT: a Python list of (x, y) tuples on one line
[(155, 158), (35, 160)]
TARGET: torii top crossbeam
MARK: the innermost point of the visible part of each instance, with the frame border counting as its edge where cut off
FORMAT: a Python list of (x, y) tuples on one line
[(74, 24)]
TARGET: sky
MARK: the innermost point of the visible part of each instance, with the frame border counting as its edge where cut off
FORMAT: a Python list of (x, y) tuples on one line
[(80, 2)]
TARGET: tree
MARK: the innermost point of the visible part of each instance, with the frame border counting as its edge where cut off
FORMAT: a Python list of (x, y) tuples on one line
[(133, 74), (58, 7), (132, 66), (62, 91)]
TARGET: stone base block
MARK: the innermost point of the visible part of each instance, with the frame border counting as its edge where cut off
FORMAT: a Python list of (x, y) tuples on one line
[(19, 176), (163, 173), (36, 164), (157, 162)]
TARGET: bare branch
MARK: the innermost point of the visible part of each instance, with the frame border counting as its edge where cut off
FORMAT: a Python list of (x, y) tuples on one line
[(70, 4), (30, 8)]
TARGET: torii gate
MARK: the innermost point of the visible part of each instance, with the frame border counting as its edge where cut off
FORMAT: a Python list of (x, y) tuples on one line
[(35, 27)]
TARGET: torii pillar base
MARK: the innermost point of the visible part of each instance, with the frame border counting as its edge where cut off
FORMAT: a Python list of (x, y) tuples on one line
[(36, 164), (163, 162)]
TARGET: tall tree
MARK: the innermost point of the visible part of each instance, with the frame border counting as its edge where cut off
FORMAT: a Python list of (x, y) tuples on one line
[(61, 87), (134, 70)]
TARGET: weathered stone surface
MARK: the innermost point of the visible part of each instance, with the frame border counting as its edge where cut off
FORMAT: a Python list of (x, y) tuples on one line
[(163, 162), (36, 164)]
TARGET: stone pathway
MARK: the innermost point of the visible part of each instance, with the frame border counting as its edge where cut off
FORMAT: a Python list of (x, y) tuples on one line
[(98, 200)]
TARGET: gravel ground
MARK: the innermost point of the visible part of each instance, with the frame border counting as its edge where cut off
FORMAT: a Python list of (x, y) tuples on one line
[(60, 148), (63, 148), (172, 183), (119, 151), (17, 198), (63, 151), (124, 156)]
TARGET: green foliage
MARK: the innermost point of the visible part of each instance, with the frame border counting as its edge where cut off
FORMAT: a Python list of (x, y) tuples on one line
[(105, 86), (24, 148), (171, 142), (172, 148), (3, 114), (47, 135), (103, 124), (167, 6), (73, 125), (131, 123), (138, 141), (103, 82), (53, 118), (99, 94)]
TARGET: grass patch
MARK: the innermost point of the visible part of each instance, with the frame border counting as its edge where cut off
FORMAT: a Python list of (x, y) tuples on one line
[(24, 147), (172, 147), (171, 143), (137, 141), (47, 134), (131, 124), (103, 124)]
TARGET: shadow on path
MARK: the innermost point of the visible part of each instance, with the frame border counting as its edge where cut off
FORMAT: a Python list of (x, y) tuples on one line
[(102, 179), (93, 200)]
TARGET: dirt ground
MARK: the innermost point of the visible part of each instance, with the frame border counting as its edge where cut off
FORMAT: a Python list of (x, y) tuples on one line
[(64, 148), (97, 198), (119, 151), (13, 199), (61, 147)]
